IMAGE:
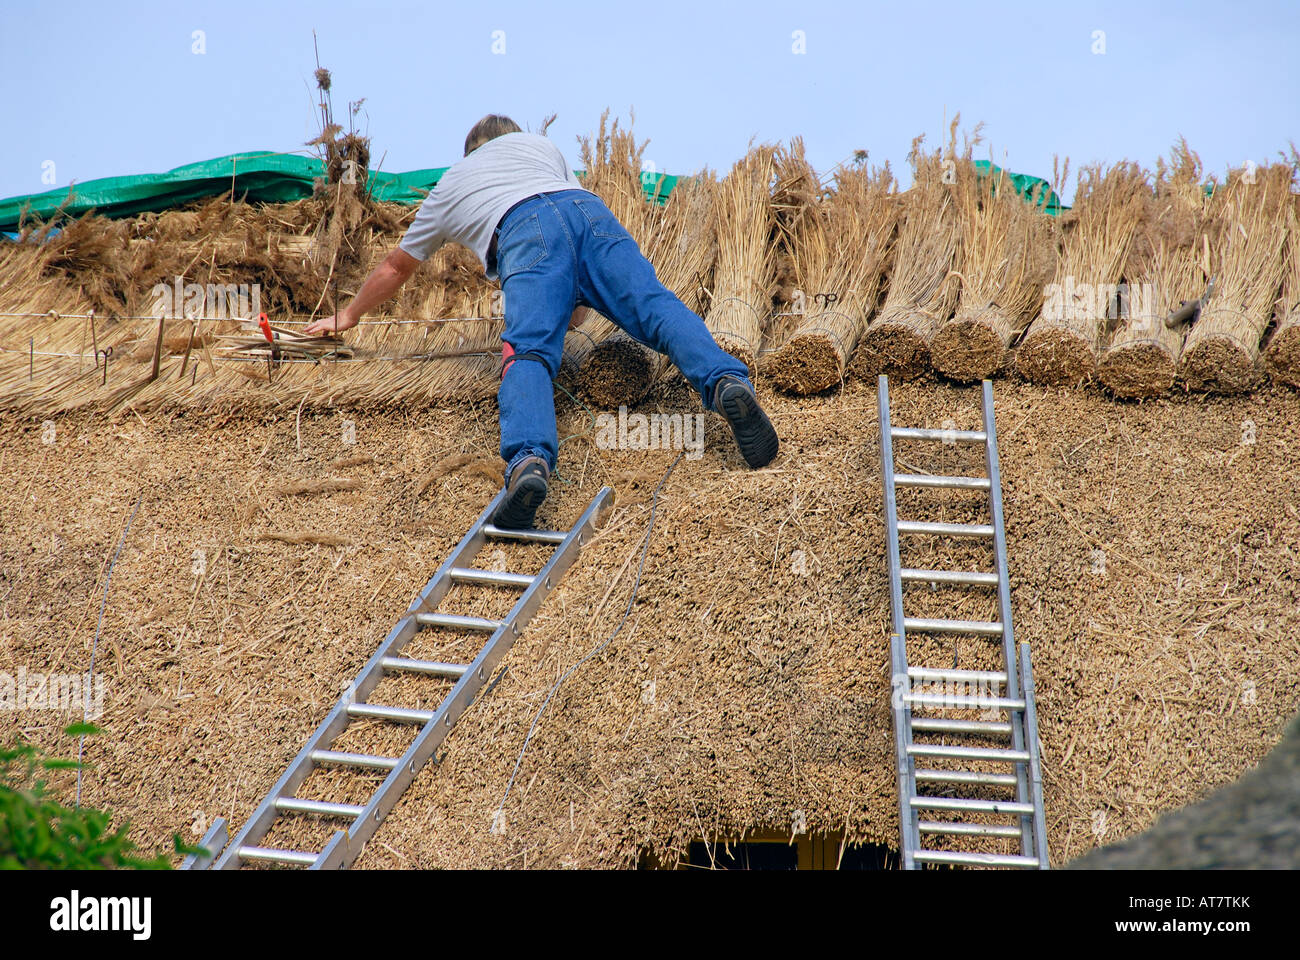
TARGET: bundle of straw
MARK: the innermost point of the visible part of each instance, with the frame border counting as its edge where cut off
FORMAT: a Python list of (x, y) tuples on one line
[(1283, 354), (680, 244), (611, 367), (1250, 229), (745, 272), (1064, 344), (838, 246), (1166, 271), (923, 287), (1007, 257)]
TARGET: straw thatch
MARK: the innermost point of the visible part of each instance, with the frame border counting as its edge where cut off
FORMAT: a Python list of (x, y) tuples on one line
[(749, 688), (1007, 256), (745, 273), (838, 244), (1064, 344), (923, 286), (1283, 354), (1250, 215), (1167, 270)]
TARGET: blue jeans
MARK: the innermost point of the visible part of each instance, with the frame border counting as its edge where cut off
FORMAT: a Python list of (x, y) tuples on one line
[(557, 251)]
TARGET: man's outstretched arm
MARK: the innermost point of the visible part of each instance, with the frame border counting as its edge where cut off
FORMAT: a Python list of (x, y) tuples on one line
[(383, 282)]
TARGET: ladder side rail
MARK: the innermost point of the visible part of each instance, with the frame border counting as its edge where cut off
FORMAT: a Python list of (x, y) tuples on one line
[(462, 694), (909, 837), (302, 765), (366, 680), (214, 841), (460, 556), (1035, 763), (1004, 608)]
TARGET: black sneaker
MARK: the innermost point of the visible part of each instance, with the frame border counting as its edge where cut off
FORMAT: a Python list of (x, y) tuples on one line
[(524, 494), (755, 436)]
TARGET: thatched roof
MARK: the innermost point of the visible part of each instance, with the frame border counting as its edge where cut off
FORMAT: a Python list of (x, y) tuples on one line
[(751, 680), (1253, 824)]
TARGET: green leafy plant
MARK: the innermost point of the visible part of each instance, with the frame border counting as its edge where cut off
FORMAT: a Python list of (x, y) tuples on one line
[(36, 832)]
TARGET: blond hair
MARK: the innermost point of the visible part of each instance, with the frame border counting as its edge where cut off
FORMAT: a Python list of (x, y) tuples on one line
[(489, 128)]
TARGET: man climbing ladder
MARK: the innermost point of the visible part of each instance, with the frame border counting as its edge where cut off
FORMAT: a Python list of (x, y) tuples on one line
[(515, 202)]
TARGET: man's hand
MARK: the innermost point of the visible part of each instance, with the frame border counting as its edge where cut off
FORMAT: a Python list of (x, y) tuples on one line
[(383, 282), (343, 320)]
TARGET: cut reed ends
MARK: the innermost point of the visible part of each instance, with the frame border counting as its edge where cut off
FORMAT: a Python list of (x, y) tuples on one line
[(1250, 215), (1063, 345)]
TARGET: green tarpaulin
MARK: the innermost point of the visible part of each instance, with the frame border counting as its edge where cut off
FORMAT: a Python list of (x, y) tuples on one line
[(257, 177), (264, 177)]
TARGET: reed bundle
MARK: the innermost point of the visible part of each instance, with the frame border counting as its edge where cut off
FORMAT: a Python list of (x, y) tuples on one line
[(611, 367), (1008, 256), (1064, 343), (1249, 235), (838, 245), (1283, 354), (923, 286), (745, 273), (1167, 270)]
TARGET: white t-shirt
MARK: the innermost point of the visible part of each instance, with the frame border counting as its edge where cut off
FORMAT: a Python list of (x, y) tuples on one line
[(472, 196)]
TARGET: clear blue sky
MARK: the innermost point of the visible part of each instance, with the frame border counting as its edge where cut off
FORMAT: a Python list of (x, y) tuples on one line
[(103, 89)]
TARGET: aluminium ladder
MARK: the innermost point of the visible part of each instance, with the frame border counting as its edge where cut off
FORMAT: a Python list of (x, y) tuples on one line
[(971, 803), (345, 845)]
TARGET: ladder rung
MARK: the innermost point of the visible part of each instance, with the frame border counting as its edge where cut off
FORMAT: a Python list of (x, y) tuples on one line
[(968, 829), (970, 806), (935, 480), (278, 856), (396, 714), (534, 536), (975, 728), (946, 529), (344, 759), (320, 807), (975, 859), (987, 628), (969, 676), (967, 776), (452, 671), (455, 621), (944, 701), (924, 433), (490, 577), (1001, 754), (972, 577)]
